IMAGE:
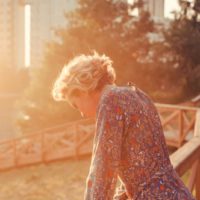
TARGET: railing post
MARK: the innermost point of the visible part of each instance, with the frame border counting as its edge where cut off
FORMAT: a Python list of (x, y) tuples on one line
[(197, 134), (197, 185), (193, 175), (181, 128), (197, 124)]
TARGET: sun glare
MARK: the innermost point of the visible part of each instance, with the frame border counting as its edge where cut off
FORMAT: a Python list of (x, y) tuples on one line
[(27, 34), (170, 6)]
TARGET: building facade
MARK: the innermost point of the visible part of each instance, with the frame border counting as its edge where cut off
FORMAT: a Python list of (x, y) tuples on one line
[(155, 7), (11, 34), (46, 16), (6, 32)]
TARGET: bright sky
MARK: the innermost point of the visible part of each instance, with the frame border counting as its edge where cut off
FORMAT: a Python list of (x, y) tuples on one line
[(170, 5)]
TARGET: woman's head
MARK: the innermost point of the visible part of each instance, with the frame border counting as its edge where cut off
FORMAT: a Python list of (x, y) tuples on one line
[(83, 75)]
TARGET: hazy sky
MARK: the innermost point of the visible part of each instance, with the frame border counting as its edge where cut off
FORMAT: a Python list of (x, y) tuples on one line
[(170, 5)]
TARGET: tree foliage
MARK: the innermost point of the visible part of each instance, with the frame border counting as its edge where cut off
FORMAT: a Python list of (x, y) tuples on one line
[(183, 42), (164, 68), (104, 26)]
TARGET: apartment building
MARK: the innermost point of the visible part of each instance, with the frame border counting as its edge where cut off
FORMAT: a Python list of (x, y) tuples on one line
[(11, 34)]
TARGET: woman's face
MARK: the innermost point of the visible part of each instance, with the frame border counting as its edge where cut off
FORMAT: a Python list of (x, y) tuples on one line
[(84, 103)]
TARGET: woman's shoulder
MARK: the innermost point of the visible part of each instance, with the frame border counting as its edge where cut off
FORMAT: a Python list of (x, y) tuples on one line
[(124, 95), (116, 91), (114, 94), (110, 100)]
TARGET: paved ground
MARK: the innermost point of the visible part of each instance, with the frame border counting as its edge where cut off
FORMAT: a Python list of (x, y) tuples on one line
[(57, 181), (63, 180)]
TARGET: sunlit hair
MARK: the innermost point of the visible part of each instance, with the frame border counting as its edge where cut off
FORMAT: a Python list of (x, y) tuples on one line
[(85, 73)]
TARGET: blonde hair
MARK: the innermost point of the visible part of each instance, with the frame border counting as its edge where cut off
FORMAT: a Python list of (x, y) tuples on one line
[(85, 73)]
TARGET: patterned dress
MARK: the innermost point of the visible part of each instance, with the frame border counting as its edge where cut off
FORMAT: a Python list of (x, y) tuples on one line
[(129, 145)]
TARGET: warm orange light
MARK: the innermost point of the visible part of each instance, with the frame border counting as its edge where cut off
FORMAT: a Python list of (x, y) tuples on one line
[(27, 34)]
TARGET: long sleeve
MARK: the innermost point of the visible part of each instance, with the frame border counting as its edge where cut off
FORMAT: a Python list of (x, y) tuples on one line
[(102, 178)]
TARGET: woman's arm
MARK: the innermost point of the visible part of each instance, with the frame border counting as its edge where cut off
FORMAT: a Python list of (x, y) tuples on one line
[(106, 156)]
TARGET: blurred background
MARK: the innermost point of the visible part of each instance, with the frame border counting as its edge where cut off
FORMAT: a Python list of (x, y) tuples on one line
[(153, 43)]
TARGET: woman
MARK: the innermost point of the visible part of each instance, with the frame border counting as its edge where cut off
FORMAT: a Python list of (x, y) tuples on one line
[(129, 143)]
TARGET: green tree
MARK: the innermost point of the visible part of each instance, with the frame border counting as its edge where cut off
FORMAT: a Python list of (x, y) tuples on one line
[(174, 60), (183, 43), (101, 25)]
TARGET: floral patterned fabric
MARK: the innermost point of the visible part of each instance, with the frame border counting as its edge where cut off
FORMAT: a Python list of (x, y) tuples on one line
[(129, 144)]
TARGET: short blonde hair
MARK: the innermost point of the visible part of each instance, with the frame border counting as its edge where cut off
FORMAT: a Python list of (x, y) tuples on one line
[(85, 73)]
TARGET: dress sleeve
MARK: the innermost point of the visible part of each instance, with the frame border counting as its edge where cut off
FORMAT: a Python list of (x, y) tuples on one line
[(102, 178)]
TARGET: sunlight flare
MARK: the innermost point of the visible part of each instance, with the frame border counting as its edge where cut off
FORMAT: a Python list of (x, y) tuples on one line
[(27, 34)]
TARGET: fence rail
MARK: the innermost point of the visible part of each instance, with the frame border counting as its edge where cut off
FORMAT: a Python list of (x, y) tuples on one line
[(181, 125), (75, 138), (60, 142), (178, 123), (187, 159)]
